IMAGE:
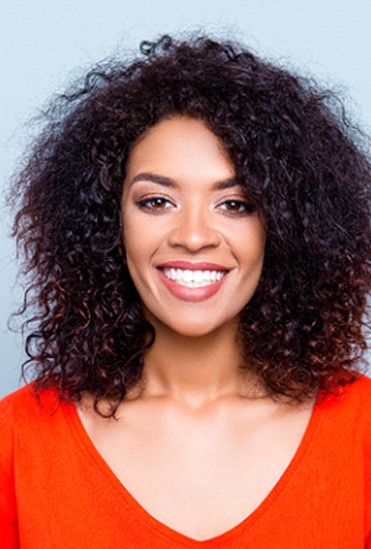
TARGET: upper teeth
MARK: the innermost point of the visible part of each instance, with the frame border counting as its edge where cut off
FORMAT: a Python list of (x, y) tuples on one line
[(193, 279)]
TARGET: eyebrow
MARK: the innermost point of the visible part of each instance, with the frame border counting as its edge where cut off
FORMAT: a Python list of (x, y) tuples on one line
[(168, 182)]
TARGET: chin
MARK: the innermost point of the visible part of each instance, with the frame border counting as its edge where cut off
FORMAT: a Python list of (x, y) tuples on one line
[(196, 329)]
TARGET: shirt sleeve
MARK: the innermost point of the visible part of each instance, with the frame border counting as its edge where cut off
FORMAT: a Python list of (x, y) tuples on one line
[(8, 515), (368, 495), (366, 408)]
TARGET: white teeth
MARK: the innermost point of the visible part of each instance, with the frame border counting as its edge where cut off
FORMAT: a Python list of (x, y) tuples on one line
[(193, 279)]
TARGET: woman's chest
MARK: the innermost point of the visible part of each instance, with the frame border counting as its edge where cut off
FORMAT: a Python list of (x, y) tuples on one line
[(200, 476)]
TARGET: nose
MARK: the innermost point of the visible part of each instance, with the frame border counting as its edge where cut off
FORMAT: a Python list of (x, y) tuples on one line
[(194, 230)]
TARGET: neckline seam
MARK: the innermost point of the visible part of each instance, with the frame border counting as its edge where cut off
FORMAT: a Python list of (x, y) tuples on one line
[(136, 508)]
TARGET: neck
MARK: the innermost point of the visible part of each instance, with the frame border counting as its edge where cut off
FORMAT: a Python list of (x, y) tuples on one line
[(196, 371)]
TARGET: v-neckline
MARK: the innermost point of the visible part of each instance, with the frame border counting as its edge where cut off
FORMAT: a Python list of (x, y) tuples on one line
[(99, 462)]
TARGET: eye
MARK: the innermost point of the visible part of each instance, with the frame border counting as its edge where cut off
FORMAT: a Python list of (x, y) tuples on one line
[(155, 203), (237, 207)]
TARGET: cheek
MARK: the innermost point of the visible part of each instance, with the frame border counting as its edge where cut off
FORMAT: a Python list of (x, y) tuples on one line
[(134, 232), (250, 246), (258, 248), (132, 243), (140, 244), (135, 247)]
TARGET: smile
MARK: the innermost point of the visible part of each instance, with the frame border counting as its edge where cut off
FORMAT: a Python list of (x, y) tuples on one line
[(193, 278)]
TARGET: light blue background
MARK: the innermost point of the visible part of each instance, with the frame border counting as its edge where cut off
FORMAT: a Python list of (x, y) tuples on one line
[(43, 43)]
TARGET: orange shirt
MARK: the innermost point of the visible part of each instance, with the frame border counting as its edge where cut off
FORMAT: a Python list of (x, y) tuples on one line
[(56, 491)]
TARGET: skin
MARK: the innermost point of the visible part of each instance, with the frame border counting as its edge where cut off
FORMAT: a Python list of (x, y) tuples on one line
[(196, 222), (192, 443)]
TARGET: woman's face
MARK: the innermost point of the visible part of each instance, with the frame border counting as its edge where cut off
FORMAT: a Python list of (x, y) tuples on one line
[(194, 244)]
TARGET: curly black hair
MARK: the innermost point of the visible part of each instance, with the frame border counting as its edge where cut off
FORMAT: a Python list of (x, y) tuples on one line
[(303, 164)]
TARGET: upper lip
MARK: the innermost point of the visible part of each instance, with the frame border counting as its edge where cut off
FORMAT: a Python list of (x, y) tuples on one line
[(192, 266)]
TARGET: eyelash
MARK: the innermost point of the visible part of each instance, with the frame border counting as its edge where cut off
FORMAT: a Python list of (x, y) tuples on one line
[(243, 207), (148, 203), (247, 207)]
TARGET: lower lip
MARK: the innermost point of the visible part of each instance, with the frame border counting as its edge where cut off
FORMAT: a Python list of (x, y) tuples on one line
[(191, 294)]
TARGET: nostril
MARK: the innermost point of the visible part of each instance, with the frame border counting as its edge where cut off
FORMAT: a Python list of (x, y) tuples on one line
[(194, 234)]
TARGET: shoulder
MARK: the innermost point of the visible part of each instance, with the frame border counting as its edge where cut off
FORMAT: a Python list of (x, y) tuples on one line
[(30, 425), (356, 393), (361, 386), (350, 409), (27, 414), (18, 398), (24, 402)]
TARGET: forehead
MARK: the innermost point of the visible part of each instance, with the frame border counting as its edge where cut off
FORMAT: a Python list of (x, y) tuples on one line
[(180, 145), (180, 137)]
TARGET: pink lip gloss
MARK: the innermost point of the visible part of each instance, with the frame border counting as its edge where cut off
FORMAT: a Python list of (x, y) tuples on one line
[(186, 293)]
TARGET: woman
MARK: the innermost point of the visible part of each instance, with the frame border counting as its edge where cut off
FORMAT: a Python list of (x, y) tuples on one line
[(196, 228)]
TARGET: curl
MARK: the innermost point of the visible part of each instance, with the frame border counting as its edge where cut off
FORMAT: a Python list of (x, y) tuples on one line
[(296, 155)]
